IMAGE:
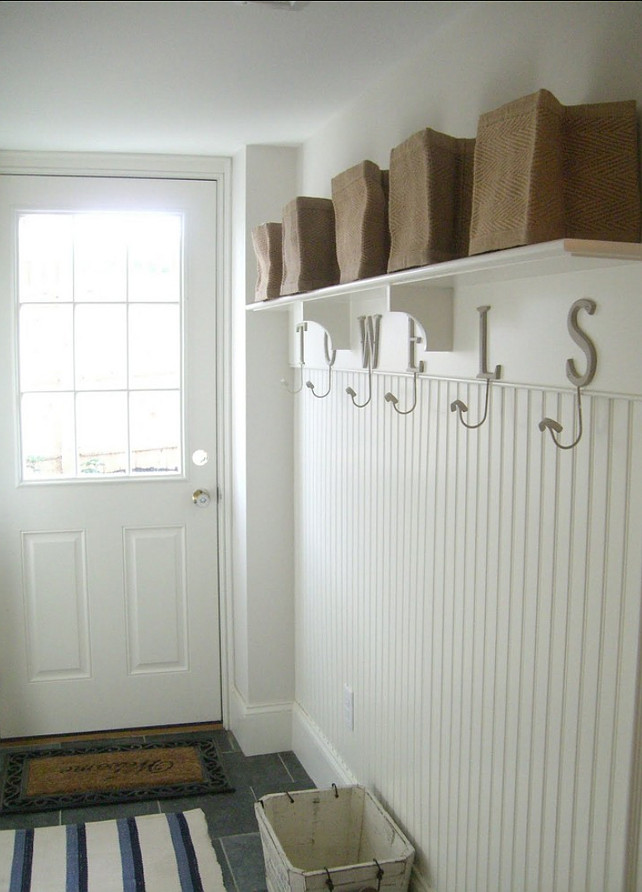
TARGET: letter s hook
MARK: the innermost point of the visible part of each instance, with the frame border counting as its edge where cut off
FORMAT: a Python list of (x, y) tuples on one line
[(556, 428), (580, 381)]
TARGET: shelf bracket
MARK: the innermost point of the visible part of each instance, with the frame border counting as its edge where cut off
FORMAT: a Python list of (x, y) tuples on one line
[(431, 307), (333, 316)]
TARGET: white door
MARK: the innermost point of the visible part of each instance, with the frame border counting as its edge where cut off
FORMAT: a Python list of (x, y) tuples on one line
[(109, 611)]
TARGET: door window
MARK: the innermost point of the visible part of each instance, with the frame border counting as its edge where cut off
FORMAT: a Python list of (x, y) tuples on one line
[(100, 345)]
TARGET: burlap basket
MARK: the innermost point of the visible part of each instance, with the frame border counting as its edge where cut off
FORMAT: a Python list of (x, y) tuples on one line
[(267, 239), (517, 189), (360, 199), (601, 172), (309, 245), (544, 171), (431, 178)]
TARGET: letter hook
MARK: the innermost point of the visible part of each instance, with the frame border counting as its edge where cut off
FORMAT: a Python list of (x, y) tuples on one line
[(297, 389), (351, 393), (330, 356), (301, 329), (391, 398), (460, 407), (556, 428)]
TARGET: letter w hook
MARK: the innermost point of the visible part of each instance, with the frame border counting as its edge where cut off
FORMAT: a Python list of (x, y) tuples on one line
[(370, 331)]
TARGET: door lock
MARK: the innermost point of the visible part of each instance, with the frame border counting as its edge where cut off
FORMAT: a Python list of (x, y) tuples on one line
[(201, 498)]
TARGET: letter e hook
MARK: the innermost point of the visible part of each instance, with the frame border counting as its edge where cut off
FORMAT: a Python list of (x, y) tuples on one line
[(391, 398)]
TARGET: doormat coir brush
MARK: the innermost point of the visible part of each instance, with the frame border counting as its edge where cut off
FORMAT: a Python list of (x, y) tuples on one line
[(42, 780)]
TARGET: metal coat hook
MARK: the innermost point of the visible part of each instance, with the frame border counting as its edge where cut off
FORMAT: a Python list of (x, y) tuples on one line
[(370, 327), (580, 381), (351, 393), (330, 356), (301, 328), (461, 407), (556, 428), (391, 398)]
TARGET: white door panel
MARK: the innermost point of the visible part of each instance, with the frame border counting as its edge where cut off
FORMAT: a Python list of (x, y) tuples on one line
[(109, 612)]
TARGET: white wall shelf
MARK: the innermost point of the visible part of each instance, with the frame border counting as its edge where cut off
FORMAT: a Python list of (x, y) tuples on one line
[(425, 293)]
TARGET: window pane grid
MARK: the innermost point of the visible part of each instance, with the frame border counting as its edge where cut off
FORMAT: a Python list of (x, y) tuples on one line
[(100, 357)]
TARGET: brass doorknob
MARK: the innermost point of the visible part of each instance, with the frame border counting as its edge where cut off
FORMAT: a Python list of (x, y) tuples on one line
[(201, 498)]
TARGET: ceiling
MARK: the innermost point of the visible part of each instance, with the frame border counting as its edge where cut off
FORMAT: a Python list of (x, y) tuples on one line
[(196, 78)]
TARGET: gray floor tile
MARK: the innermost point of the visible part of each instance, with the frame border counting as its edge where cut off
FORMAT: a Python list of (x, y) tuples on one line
[(231, 814), (108, 812), (26, 821), (260, 774), (244, 855), (297, 770), (228, 880)]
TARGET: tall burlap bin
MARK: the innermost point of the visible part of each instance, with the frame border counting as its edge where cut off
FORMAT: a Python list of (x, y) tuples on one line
[(544, 171), (360, 199), (431, 180), (517, 189), (309, 245), (331, 839), (601, 172), (267, 239)]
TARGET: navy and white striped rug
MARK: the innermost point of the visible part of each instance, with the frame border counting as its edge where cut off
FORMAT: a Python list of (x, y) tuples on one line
[(150, 853)]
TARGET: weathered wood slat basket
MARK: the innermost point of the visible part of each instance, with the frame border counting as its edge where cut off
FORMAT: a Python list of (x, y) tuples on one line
[(331, 839)]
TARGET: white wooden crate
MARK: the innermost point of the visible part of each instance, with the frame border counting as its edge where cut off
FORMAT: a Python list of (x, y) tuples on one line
[(339, 838)]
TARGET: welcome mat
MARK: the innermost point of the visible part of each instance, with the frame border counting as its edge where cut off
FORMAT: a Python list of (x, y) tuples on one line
[(41, 780), (151, 853)]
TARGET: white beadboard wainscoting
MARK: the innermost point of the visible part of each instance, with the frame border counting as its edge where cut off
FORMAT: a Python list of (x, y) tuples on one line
[(479, 592)]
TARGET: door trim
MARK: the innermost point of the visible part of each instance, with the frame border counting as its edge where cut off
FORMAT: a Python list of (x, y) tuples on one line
[(219, 170)]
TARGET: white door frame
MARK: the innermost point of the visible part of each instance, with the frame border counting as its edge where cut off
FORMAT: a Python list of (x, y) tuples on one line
[(186, 168)]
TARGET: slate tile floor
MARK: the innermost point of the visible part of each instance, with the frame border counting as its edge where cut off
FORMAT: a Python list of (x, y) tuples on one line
[(230, 816)]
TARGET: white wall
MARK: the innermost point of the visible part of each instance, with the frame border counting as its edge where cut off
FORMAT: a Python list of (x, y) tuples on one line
[(480, 591), (263, 621), (581, 52)]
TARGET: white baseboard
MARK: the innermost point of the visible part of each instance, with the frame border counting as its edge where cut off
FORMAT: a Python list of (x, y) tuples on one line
[(262, 728), (314, 752)]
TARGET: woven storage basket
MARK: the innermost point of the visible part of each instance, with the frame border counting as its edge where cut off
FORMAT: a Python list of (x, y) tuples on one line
[(360, 199), (267, 239), (431, 177), (601, 172), (517, 190), (544, 171), (309, 245)]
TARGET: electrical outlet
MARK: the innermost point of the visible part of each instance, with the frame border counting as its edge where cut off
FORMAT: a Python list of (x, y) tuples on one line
[(348, 707)]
